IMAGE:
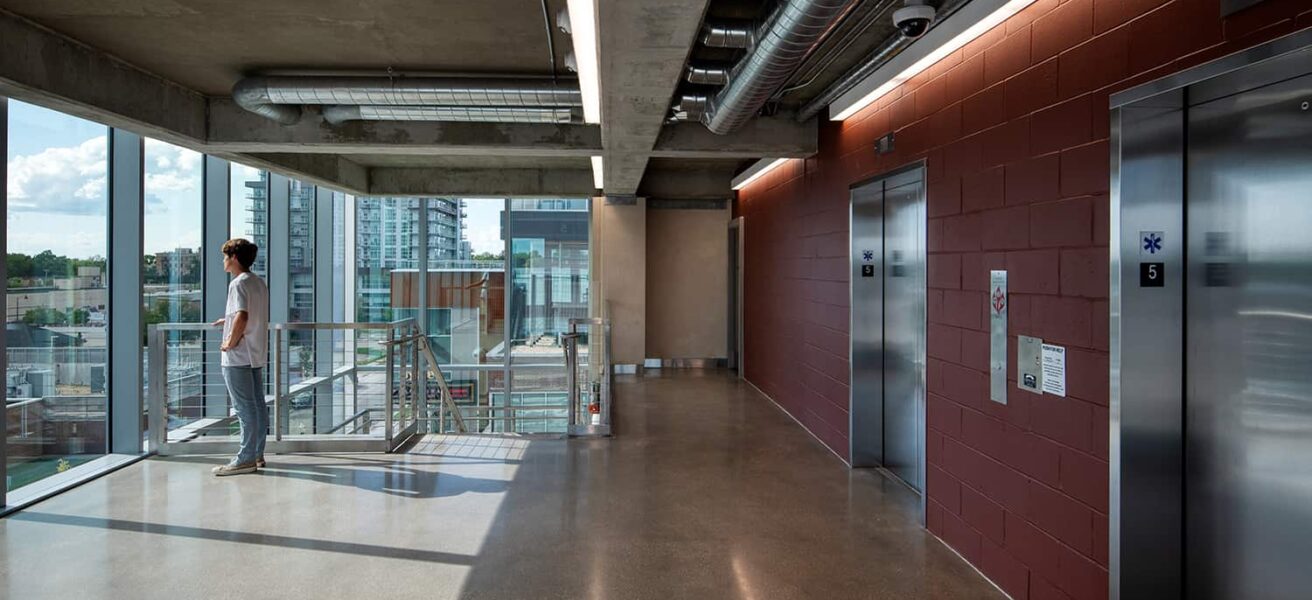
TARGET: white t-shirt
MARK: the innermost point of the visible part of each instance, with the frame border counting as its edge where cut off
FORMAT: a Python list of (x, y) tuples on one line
[(247, 293)]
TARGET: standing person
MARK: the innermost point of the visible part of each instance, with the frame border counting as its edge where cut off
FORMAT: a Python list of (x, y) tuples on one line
[(245, 350)]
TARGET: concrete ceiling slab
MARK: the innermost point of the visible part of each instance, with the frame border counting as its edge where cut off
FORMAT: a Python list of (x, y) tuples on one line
[(207, 45)]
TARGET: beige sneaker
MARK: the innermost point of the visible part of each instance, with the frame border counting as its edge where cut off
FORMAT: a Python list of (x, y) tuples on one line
[(225, 470)]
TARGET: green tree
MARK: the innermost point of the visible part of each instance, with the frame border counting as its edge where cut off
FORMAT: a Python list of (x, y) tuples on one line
[(43, 317), (18, 265)]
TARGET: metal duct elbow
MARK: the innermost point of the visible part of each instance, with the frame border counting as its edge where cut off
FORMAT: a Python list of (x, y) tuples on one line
[(729, 35), (707, 75), (788, 37), (253, 94)]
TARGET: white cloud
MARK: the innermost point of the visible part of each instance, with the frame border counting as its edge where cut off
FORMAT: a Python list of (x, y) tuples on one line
[(69, 180)]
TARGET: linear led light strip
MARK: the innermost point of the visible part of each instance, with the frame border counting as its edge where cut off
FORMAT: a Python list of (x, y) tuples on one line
[(758, 171), (980, 27), (597, 179), (583, 23)]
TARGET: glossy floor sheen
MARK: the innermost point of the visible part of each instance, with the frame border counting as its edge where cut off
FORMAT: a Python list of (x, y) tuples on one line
[(708, 491)]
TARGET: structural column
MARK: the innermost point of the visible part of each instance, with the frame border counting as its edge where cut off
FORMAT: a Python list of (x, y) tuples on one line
[(620, 275), (125, 401), (214, 286)]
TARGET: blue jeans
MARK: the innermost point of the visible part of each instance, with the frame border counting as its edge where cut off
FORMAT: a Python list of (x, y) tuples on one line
[(246, 386)]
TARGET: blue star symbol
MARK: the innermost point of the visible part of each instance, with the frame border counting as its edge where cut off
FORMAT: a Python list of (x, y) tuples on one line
[(1152, 243), (868, 255)]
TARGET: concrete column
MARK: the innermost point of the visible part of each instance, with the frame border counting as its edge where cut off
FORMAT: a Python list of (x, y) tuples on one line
[(620, 275), (214, 283), (125, 402)]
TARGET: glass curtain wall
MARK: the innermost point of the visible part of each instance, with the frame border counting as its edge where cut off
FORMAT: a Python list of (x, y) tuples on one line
[(549, 267), (249, 218), (171, 270), (300, 279), (56, 311), (467, 304)]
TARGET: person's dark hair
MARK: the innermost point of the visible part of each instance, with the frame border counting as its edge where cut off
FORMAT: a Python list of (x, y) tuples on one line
[(243, 250)]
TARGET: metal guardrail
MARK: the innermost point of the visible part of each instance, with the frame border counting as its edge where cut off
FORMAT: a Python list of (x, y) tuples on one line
[(373, 399), (589, 381), (204, 420)]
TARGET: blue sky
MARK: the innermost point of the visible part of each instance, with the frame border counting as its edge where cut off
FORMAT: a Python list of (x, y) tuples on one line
[(57, 187), (57, 190)]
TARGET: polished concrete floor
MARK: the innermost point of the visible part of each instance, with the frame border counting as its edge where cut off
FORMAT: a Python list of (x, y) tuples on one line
[(707, 491)]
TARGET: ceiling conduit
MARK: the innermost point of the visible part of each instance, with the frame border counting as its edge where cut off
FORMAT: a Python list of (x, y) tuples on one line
[(281, 98), (785, 40)]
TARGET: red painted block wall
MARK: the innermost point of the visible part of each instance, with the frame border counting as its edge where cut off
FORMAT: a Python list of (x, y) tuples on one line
[(1014, 131)]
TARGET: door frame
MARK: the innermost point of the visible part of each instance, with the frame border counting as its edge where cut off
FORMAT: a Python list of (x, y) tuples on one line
[(909, 173), (1146, 519), (735, 312)]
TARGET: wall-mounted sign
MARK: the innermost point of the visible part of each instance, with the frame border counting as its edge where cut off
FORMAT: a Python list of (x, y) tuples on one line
[(1152, 274), (997, 300), (1054, 370), (867, 270)]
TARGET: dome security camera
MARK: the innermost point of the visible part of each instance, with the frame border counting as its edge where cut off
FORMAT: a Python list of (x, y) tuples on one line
[(913, 19)]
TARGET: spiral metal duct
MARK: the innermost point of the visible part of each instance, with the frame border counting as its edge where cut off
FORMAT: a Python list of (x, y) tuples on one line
[(707, 75), (881, 55), (728, 35), (281, 98), (787, 38), (473, 114)]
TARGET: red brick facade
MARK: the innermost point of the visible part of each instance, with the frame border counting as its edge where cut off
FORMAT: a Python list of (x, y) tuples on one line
[(1014, 131)]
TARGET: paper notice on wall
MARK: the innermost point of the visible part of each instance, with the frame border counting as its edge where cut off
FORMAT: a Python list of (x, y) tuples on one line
[(1054, 370)]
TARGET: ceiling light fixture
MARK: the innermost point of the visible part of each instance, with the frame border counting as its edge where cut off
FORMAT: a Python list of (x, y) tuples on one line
[(583, 22), (757, 171), (597, 178), (985, 16)]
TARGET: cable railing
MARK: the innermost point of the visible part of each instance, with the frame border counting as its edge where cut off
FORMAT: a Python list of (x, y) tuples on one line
[(362, 387)]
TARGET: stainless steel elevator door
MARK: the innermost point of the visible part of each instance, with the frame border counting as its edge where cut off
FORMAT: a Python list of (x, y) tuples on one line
[(888, 325), (904, 332), (867, 335), (1248, 389)]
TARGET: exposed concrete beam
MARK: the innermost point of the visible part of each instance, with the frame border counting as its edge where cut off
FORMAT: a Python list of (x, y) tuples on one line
[(42, 66), (534, 183), (320, 169), (708, 183), (643, 47), (233, 129), (778, 136)]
